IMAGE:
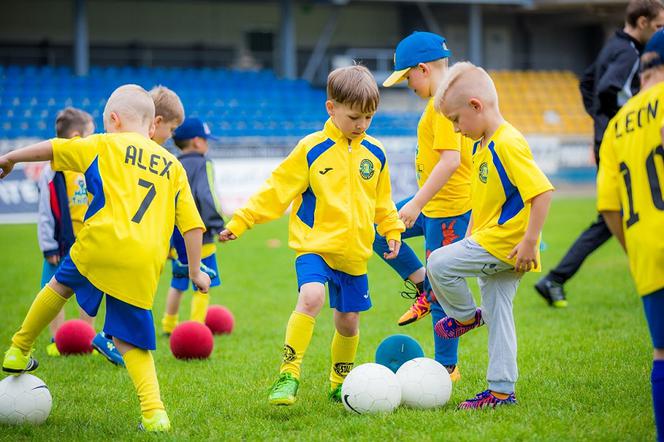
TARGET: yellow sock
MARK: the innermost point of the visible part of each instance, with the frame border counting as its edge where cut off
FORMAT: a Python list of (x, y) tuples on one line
[(199, 305), (43, 310), (169, 322), (299, 330), (343, 357), (143, 374)]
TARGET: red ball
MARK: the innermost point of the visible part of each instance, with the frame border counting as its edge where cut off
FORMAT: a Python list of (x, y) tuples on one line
[(191, 340), (219, 320), (74, 337)]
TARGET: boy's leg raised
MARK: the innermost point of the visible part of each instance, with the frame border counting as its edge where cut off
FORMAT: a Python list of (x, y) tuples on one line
[(44, 309)]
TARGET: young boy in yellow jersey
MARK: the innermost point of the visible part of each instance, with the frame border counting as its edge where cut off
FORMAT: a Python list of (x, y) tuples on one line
[(510, 201), (168, 113), (63, 200), (440, 210), (139, 191), (629, 197), (192, 139), (339, 183)]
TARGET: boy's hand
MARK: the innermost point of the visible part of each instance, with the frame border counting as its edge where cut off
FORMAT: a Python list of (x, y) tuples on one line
[(409, 213), (226, 235), (201, 280), (54, 260), (526, 255), (394, 247), (6, 165)]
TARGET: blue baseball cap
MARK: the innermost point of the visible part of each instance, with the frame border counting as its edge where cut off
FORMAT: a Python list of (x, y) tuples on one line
[(656, 45), (418, 47), (192, 128)]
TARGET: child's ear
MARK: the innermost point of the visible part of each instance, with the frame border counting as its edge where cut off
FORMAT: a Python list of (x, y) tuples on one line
[(424, 68), (329, 107), (158, 120), (115, 120), (152, 129), (476, 104)]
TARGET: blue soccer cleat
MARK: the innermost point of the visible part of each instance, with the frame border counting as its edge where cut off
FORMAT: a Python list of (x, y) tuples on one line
[(486, 399), (105, 346), (450, 328)]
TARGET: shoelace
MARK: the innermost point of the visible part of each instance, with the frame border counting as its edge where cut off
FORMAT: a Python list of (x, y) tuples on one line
[(281, 383), (411, 291)]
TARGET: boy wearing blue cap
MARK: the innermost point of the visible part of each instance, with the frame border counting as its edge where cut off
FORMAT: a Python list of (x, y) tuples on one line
[(440, 210), (629, 197), (192, 139)]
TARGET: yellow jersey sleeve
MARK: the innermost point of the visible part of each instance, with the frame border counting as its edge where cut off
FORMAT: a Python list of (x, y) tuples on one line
[(387, 219), (524, 172), (288, 180), (444, 136), (608, 181), (75, 154)]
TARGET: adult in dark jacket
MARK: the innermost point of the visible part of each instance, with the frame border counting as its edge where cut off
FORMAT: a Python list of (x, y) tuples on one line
[(605, 86)]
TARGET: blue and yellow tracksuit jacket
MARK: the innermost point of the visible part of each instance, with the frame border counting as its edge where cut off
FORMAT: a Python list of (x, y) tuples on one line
[(339, 189)]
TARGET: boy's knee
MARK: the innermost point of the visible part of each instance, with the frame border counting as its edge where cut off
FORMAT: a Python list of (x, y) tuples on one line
[(439, 264), (312, 298), (347, 324)]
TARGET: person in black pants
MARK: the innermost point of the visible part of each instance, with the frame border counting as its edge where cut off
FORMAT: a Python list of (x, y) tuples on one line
[(605, 86)]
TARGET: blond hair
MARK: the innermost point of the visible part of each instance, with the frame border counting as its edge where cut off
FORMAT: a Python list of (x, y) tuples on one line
[(167, 104), (131, 102), (70, 120), (462, 82), (353, 86)]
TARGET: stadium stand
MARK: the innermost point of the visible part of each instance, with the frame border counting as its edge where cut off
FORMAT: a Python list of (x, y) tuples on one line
[(543, 102), (258, 104)]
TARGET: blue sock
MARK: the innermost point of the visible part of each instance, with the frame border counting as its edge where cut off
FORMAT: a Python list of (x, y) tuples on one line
[(657, 380)]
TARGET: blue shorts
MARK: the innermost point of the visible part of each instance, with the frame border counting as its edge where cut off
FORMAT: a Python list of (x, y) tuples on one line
[(127, 322), (653, 304), (48, 270), (348, 293), (182, 283)]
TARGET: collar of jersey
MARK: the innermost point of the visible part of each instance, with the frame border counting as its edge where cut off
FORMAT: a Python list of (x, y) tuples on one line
[(334, 133)]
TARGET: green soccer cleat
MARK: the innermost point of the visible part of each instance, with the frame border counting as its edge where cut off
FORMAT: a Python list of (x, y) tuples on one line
[(284, 390), (52, 350), (16, 362), (159, 422), (334, 395)]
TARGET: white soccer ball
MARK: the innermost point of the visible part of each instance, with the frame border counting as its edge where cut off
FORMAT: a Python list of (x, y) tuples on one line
[(425, 383), (24, 399), (371, 388)]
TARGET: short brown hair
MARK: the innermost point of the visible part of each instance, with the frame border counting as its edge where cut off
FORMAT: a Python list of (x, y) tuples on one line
[(70, 120), (167, 104), (353, 86), (642, 8), (182, 144)]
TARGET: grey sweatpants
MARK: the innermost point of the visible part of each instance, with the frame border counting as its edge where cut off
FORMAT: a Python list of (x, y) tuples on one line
[(447, 269)]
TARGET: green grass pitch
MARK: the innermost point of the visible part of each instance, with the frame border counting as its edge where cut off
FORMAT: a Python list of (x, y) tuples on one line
[(584, 371)]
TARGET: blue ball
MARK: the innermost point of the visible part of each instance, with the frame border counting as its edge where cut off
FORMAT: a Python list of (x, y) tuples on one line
[(397, 349)]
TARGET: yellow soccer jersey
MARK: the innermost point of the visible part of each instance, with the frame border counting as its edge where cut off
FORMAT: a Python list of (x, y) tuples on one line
[(505, 179), (631, 180), (434, 134), (139, 191), (77, 195), (339, 190)]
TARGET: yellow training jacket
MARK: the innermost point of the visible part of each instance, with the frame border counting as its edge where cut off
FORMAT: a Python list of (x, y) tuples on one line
[(339, 189)]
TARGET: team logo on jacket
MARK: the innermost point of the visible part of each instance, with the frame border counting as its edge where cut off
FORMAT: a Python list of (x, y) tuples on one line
[(484, 172), (366, 169)]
